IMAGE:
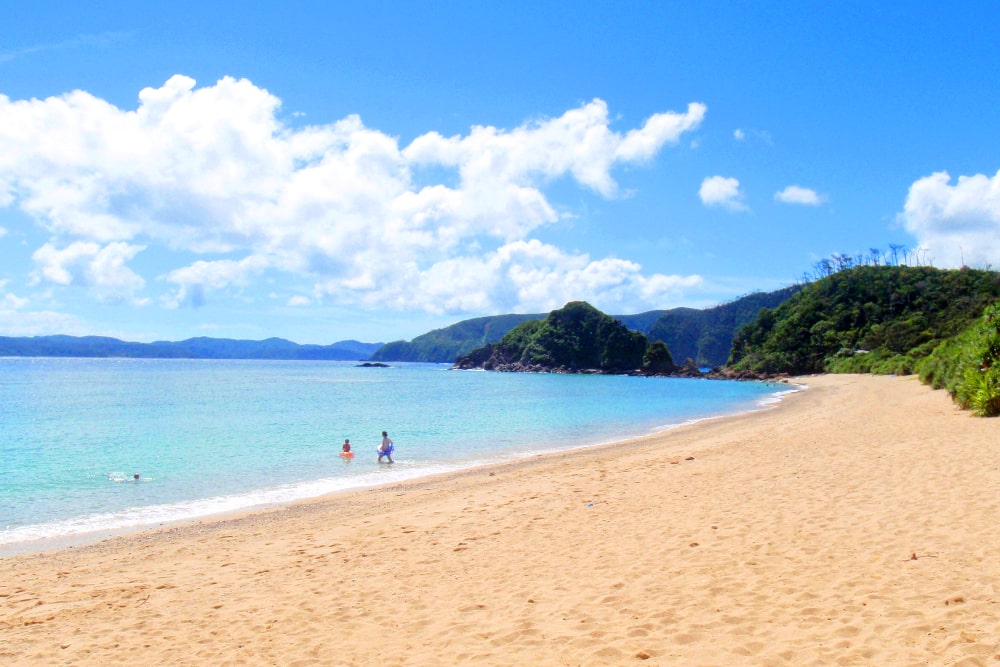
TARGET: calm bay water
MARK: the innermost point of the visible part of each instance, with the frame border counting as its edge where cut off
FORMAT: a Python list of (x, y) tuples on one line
[(211, 436)]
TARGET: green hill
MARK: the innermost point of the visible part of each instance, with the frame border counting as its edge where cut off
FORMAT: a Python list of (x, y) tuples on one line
[(577, 337), (447, 344), (702, 335), (882, 319), (706, 336), (642, 322)]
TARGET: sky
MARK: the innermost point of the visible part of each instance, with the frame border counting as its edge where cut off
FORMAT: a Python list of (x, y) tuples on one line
[(324, 171)]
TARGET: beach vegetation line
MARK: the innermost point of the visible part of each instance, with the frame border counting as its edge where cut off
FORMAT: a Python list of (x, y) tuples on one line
[(940, 324)]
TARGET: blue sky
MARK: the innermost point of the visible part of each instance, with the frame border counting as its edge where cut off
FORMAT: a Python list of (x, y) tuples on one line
[(373, 170)]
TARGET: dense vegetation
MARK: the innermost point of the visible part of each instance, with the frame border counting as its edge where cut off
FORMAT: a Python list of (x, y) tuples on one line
[(193, 348), (706, 336), (968, 365), (874, 318), (574, 338), (445, 345), (882, 319)]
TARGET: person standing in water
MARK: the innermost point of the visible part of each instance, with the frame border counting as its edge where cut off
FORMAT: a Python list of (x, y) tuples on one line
[(385, 449)]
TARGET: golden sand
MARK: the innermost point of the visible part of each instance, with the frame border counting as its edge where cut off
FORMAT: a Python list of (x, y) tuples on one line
[(858, 523)]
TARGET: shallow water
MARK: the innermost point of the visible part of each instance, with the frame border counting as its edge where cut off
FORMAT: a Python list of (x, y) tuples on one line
[(209, 436)]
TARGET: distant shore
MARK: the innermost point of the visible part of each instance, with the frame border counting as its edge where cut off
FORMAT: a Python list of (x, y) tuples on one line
[(854, 523), (103, 347)]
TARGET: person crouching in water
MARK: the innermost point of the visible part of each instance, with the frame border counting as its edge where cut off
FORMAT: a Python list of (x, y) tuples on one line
[(385, 449)]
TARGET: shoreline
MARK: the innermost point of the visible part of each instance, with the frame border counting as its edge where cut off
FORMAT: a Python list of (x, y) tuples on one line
[(854, 523), (79, 532)]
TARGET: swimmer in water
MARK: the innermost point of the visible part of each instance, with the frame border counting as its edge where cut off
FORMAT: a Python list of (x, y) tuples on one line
[(345, 451)]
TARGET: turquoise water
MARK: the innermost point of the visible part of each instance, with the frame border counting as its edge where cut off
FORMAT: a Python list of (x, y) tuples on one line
[(211, 436)]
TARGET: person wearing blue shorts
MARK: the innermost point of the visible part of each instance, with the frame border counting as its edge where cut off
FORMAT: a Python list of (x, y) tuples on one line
[(385, 449)]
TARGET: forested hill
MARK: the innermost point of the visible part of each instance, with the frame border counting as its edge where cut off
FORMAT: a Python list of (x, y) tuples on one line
[(193, 348), (701, 335), (706, 336), (576, 338), (882, 319), (445, 345)]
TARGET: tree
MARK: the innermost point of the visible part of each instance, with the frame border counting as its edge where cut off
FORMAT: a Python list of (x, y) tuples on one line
[(657, 358)]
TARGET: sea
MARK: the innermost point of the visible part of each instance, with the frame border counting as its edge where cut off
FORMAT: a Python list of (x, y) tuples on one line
[(207, 437)]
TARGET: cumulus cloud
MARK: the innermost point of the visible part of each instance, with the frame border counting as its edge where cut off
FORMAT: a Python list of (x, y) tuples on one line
[(527, 276), (193, 281), (100, 268), (739, 135), (215, 171), (723, 192), (956, 223), (794, 194)]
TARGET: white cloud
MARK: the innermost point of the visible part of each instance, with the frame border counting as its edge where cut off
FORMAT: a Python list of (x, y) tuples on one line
[(11, 302), (579, 143), (213, 171), (3, 232), (794, 194), (194, 280), (957, 224), (525, 276), (739, 135), (658, 130), (299, 300), (722, 191), (102, 269)]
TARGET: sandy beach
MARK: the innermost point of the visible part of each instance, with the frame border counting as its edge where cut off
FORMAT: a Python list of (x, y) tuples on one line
[(857, 523)]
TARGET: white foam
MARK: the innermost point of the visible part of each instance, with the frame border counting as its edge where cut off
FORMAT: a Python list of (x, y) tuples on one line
[(137, 518)]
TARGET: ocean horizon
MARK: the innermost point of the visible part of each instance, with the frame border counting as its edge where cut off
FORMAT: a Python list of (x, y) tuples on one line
[(207, 437)]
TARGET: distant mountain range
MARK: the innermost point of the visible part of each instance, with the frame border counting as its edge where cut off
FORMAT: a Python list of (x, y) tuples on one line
[(193, 348), (704, 336), (447, 344), (942, 324)]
